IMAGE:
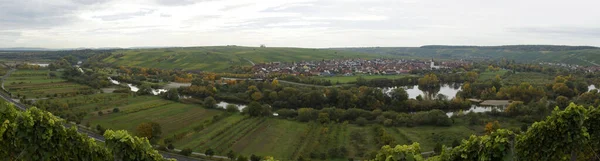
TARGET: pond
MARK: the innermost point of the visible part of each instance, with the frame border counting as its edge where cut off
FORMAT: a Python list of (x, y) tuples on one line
[(240, 107), (478, 109), (448, 90), (224, 104)]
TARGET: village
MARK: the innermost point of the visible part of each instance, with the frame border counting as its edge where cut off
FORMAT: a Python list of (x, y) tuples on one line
[(350, 67)]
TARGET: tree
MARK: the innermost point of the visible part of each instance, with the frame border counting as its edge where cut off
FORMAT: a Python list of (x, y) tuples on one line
[(254, 109), (231, 155), (429, 81), (256, 96), (562, 101), (186, 151), (39, 135), (210, 102), (150, 130), (255, 158), (172, 95), (232, 108), (275, 83), (323, 118), (307, 114), (242, 158), (561, 135), (209, 152), (361, 121), (170, 146), (491, 127), (399, 95), (400, 152), (472, 76), (100, 129)]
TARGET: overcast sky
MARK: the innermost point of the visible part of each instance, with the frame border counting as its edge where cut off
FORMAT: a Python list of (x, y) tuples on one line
[(296, 23)]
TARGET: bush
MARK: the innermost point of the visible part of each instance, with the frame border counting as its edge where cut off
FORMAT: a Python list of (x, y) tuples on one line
[(361, 121), (232, 108), (186, 152), (116, 110), (170, 147)]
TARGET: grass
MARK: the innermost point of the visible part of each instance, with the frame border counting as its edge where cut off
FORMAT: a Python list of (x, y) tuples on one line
[(529, 77), (38, 83), (219, 58), (349, 79), (490, 75), (172, 116), (428, 136)]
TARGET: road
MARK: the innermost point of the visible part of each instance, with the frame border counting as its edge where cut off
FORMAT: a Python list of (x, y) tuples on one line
[(249, 61), (89, 133), (308, 85)]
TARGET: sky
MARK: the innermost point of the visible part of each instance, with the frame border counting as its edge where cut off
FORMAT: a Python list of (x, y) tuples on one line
[(296, 23)]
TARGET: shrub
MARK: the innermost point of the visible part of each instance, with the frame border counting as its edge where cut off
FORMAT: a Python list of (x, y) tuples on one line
[(186, 152)]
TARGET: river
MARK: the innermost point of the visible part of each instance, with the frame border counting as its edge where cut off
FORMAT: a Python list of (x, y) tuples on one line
[(134, 88)]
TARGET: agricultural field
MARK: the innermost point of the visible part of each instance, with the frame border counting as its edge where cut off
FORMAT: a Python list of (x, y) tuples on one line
[(219, 58), (490, 75), (40, 84), (289, 140), (529, 77), (349, 79), (172, 116)]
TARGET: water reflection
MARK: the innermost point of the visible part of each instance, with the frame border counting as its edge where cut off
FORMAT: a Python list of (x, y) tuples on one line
[(448, 90), (223, 105), (134, 88), (477, 109)]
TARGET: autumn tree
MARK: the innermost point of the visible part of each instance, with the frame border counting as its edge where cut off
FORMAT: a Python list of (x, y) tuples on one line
[(150, 130), (491, 127)]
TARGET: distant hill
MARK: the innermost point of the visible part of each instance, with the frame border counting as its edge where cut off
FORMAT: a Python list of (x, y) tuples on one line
[(219, 58), (516, 47), (580, 55)]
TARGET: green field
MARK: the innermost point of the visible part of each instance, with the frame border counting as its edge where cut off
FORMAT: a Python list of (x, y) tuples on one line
[(219, 58), (172, 116), (529, 77), (579, 56), (490, 75), (38, 84), (348, 79)]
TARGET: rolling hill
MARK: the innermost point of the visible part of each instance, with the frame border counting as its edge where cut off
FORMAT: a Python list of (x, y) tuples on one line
[(580, 55), (219, 58)]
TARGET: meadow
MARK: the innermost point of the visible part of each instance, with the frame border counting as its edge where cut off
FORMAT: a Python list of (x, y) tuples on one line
[(490, 75), (532, 78), (220, 58), (350, 79), (40, 84)]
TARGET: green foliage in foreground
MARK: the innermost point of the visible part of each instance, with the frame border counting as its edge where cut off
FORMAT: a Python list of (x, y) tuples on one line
[(38, 135), (570, 134)]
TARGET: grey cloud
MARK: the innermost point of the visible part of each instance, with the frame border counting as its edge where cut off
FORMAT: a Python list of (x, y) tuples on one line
[(40, 14), (227, 8), (567, 31), (9, 36), (89, 2), (122, 16), (180, 2)]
